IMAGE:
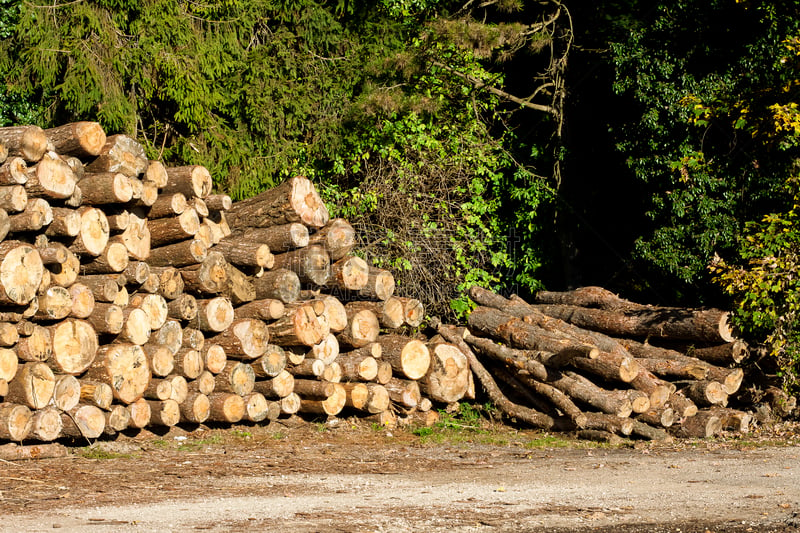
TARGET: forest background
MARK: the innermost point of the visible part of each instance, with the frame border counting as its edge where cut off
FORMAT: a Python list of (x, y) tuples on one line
[(650, 147)]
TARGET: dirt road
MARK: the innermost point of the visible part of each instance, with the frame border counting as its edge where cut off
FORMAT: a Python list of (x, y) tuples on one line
[(315, 478)]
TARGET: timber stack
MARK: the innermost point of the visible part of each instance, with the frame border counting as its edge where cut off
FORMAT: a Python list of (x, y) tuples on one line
[(132, 296), (590, 362)]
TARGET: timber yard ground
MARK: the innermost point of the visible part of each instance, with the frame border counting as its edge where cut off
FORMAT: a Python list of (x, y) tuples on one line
[(353, 476)]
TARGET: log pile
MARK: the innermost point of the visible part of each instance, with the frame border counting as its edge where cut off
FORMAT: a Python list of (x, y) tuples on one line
[(132, 296), (590, 362)]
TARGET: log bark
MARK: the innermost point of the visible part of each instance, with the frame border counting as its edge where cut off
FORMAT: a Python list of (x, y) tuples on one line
[(246, 253), (214, 357), (167, 205), (706, 393), (83, 421), (50, 178), (32, 386), (380, 285), (280, 386), (294, 200), (226, 407), (213, 315), (272, 363), (106, 318), (14, 171), (196, 408), (263, 309), (700, 426), (13, 198), (99, 188), (722, 354), (245, 339), (663, 417), (447, 378), (174, 229), (299, 327), (389, 311), (164, 412), (362, 329), (311, 264), (96, 393), (237, 378), (46, 424), (188, 363)]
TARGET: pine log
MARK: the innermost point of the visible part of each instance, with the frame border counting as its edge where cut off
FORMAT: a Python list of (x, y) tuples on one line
[(311, 264), (136, 239), (272, 363), (226, 407), (96, 393), (38, 346), (83, 421), (170, 282), (682, 406), (389, 311), (170, 335), (28, 142), (74, 346), (192, 180), (280, 386), (279, 239), (337, 236), (362, 329), (32, 386), (279, 284), (188, 363), (357, 367), (705, 393), (702, 425), (114, 258), (14, 171), (158, 389), (213, 315), (237, 286), (664, 417), (99, 188), (675, 369), (256, 407), (196, 408), (262, 309), (294, 200), (46, 424), (733, 419), (21, 272), (118, 419), (120, 153), (13, 198), (413, 311), (106, 318), (180, 387), (723, 354), (16, 421), (135, 327), (214, 357), (446, 380), (9, 335), (154, 305), (244, 339), (246, 253), (658, 391), (156, 173), (334, 313), (729, 378), (169, 230), (139, 413), (66, 392), (299, 327), (64, 274), (236, 377), (309, 368), (50, 178), (94, 233), (327, 350), (167, 205), (55, 303), (164, 412), (408, 357), (350, 273), (124, 367), (380, 285), (192, 338)]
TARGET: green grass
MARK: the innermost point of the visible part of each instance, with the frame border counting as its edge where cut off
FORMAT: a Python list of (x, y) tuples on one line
[(92, 452)]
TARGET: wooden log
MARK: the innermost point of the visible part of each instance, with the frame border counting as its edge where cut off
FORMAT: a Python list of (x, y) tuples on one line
[(413, 311), (646, 431), (389, 311), (357, 367), (83, 421), (236, 378), (290, 404), (16, 421), (38, 346), (93, 236), (159, 358), (156, 173), (705, 393), (164, 412), (118, 419), (79, 139), (729, 378), (214, 315), (124, 367), (640, 401), (32, 387), (675, 369), (237, 286), (191, 180), (350, 273), (195, 409), (226, 407), (50, 178), (380, 285), (263, 309), (207, 278), (408, 357), (192, 338), (74, 346), (280, 386), (337, 237), (446, 380), (167, 205), (21, 272), (55, 303), (13, 198), (188, 363), (256, 407), (184, 307), (106, 318), (96, 393), (271, 363), (245, 339), (311, 264), (139, 413), (730, 353), (28, 142), (362, 329), (664, 417), (246, 253), (658, 390), (334, 313), (700, 426), (214, 357), (120, 153), (279, 284), (9, 335), (173, 229), (682, 406), (170, 282), (294, 200), (114, 258), (14, 171), (733, 419), (279, 239), (299, 327), (46, 424), (158, 389), (66, 392), (135, 327), (65, 274), (180, 387), (308, 368), (327, 350), (170, 335), (136, 238), (102, 288), (99, 188), (154, 305)]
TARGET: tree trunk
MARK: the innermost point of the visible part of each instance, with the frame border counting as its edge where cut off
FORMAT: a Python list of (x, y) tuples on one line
[(66, 393), (247, 253), (226, 407), (447, 378), (180, 254), (389, 311), (311, 264), (46, 424), (281, 386), (174, 229), (299, 327), (196, 408), (262, 309), (294, 200), (362, 329), (32, 386), (14, 171), (192, 180), (213, 316), (706, 393), (164, 412), (105, 188), (83, 421), (279, 239), (21, 272), (272, 363), (28, 142), (723, 354), (380, 285), (700, 426), (244, 339), (96, 393), (279, 284)]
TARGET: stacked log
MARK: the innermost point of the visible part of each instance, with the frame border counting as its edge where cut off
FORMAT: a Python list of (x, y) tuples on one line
[(132, 296), (589, 360)]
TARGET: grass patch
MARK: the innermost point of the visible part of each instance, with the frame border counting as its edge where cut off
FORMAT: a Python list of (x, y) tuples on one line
[(93, 452)]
